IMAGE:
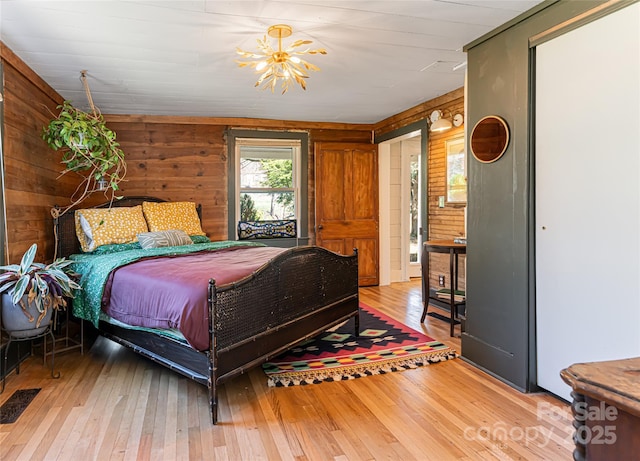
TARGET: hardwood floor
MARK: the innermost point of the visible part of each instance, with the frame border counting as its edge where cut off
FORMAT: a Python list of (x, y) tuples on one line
[(112, 404)]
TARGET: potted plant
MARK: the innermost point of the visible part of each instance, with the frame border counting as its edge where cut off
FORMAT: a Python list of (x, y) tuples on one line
[(88, 148), (32, 291)]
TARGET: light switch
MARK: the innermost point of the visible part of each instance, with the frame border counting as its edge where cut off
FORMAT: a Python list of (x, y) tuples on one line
[(441, 201)]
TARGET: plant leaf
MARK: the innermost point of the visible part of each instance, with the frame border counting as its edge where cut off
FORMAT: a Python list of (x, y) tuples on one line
[(19, 289), (27, 258)]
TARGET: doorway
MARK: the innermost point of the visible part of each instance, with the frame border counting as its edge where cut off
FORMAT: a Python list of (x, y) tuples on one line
[(403, 220), (410, 221)]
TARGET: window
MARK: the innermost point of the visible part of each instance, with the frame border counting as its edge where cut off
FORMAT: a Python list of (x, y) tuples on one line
[(456, 173), (268, 174)]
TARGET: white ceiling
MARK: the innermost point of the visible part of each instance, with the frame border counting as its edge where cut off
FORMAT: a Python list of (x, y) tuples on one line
[(177, 57)]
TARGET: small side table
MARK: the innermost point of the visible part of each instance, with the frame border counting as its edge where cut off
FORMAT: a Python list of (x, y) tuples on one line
[(606, 409), (453, 249)]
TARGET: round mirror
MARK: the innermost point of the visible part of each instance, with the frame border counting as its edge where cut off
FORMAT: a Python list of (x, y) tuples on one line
[(489, 139)]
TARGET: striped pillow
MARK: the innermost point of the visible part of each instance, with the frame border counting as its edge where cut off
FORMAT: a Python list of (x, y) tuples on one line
[(167, 238)]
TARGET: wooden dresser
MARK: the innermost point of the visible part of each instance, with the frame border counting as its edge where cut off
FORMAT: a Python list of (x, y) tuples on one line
[(606, 409)]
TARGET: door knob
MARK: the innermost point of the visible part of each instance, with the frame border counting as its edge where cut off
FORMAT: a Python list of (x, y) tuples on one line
[(320, 227)]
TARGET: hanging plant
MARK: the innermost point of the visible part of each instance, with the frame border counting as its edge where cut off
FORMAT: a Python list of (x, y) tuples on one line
[(88, 148)]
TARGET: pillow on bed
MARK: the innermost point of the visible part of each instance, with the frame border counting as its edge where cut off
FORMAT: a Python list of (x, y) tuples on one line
[(167, 238), (267, 229), (115, 248), (172, 215), (103, 226), (200, 239)]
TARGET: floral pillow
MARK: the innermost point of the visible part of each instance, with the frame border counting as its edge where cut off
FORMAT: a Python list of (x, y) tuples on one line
[(115, 248), (172, 215), (200, 239), (103, 226)]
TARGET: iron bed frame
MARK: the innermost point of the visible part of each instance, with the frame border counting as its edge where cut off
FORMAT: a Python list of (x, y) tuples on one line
[(295, 296)]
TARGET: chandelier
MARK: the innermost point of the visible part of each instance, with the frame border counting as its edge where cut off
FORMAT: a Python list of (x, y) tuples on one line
[(281, 65)]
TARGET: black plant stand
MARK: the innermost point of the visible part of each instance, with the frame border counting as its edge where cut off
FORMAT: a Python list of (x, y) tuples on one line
[(60, 330), (43, 335)]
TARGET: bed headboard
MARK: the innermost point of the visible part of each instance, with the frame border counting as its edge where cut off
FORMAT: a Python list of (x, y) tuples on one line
[(64, 226)]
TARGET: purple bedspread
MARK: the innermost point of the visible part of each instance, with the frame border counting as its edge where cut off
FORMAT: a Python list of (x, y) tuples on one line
[(171, 292)]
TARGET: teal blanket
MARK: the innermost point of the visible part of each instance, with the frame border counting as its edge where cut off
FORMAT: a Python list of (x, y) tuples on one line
[(94, 271)]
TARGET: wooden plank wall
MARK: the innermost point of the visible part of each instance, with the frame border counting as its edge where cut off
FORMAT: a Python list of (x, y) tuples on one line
[(31, 168), (447, 222), (185, 158)]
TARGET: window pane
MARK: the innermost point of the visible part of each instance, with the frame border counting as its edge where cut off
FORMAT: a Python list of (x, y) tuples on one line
[(260, 206), (456, 176), (264, 167), (457, 190), (266, 183), (413, 208)]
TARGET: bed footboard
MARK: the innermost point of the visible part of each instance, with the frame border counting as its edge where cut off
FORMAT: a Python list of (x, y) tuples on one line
[(299, 294)]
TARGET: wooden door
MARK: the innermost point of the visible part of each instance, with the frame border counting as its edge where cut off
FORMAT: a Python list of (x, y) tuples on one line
[(347, 203)]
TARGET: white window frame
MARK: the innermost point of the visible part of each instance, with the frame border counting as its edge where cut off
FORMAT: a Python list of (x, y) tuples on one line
[(294, 144)]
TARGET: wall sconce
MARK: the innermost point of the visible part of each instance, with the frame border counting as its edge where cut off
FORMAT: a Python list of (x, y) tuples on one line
[(439, 123)]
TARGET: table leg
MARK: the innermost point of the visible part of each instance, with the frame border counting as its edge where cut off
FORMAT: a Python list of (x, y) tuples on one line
[(424, 263), (456, 275), (452, 299)]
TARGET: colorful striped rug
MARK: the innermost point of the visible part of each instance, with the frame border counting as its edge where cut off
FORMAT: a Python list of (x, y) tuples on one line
[(384, 346)]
